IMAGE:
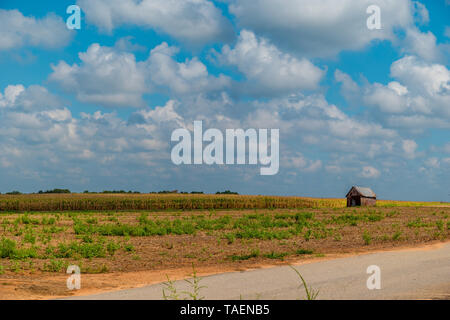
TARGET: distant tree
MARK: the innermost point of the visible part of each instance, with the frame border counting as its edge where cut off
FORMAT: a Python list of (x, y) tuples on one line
[(55, 191), (14, 192), (168, 191), (226, 192), (119, 191)]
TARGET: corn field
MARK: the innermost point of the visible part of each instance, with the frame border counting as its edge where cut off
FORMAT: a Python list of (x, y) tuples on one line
[(162, 202), (156, 202)]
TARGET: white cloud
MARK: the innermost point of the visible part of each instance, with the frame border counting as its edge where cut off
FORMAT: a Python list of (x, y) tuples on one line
[(17, 30), (409, 147), (192, 21), (422, 44), (190, 76), (112, 77), (422, 77), (421, 13), (433, 163), (103, 149), (34, 98), (310, 121), (267, 69), (349, 88), (321, 28), (298, 161), (390, 98), (55, 142), (428, 87), (104, 76), (417, 99), (370, 172), (397, 88), (446, 147), (10, 95)]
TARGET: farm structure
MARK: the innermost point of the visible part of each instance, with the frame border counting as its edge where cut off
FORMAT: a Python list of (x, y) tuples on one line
[(361, 196)]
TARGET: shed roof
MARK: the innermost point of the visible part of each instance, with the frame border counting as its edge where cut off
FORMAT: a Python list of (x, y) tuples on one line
[(364, 191)]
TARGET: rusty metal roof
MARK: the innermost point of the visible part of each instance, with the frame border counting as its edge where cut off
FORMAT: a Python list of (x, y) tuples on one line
[(365, 192)]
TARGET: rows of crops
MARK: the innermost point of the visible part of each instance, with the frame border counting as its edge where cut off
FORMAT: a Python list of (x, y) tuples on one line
[(161, 202), (81, 202)]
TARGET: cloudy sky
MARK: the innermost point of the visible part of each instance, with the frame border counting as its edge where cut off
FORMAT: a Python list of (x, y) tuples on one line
[(95, 108)]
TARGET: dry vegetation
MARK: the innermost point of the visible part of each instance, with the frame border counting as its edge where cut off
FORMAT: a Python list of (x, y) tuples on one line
[(155, 202), (35, 244)]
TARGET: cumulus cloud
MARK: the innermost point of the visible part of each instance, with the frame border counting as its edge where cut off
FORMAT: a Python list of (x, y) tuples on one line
[(321, 28), (325, 28), (390, 98), (192, 21), (104, 76), (190, 76), (370, 172), (432, 163), (102, 149), (267, 69), (43, 140), (422, 44), (409, 147), (422, 15), (17, 30), (417, 99), (307, 122), (10, 94), (33, 98), (431, 79), (297, 161), (112, 77), (349, 88)]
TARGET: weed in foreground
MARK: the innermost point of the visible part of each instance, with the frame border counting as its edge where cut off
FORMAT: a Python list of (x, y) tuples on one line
[(367, 238), (194, 283), (311, 294)]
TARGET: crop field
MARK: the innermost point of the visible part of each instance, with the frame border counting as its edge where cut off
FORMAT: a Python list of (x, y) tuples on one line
[(109, 235), (155, 202), (158, 202)]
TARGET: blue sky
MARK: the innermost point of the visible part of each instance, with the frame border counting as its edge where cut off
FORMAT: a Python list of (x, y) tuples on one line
[(94, 108)]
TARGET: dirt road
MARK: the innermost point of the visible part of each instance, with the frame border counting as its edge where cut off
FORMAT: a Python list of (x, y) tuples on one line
[(406, 274)]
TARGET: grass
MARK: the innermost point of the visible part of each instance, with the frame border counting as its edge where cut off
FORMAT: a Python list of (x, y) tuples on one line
[(397, 235), (276, 255), (170, 292), (367, 238), (311, 294), (304, 251), (8, 249), (254, 254)]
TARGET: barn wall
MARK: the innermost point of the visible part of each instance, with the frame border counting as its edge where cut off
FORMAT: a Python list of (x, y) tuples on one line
[(368, 202)]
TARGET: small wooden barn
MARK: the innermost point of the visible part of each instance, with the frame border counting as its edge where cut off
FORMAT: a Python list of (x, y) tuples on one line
[(361, 196)]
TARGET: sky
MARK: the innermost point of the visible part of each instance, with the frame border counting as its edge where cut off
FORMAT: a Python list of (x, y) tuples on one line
[(94, 108)]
